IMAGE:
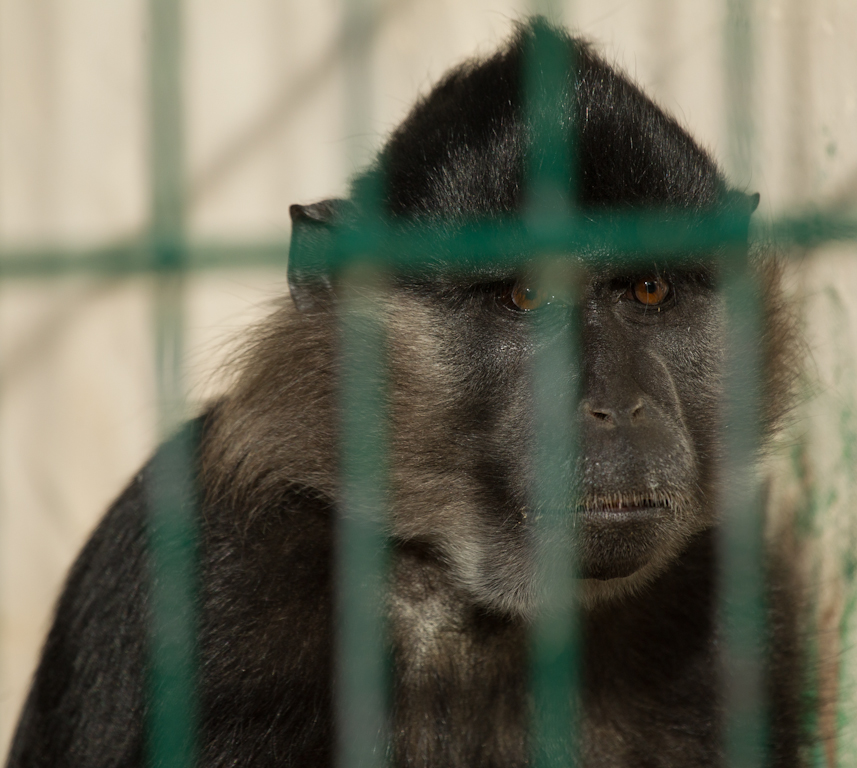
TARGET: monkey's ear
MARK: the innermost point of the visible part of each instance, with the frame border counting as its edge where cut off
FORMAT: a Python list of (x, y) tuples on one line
[(741, 202), (754, 201), (313, 229)]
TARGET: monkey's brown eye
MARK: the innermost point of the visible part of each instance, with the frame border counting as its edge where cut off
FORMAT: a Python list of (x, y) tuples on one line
[(527, 298), (650, 291)]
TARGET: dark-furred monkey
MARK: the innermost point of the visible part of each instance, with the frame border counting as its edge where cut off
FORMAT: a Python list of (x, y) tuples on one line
[(460, 403)]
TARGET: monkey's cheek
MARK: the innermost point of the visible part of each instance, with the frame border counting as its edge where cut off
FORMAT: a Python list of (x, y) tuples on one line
[(617, 545)]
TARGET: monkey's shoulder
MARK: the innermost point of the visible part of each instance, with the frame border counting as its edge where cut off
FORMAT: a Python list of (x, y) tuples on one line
[(85, 706), (263, 612)]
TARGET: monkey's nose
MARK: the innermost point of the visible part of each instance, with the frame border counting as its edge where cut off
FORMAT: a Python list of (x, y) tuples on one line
[(613, 416)]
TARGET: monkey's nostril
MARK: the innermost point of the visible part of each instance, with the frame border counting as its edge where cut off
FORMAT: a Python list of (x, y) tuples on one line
[(601, 414)]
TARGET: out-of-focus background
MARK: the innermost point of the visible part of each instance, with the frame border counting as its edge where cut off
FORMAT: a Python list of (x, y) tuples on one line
[(264, 127)]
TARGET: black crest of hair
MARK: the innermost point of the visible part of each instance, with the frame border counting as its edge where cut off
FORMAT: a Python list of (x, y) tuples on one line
[(462, 588), (462, 150)]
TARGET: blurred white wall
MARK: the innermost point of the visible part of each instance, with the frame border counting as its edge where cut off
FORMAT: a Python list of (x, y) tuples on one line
[(265, 127)]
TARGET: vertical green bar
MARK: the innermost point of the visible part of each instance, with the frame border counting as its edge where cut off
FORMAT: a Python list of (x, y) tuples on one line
[(550, 185), (554, 639), (359, 20), (738, 69), (361, 680), (172, 534), (166, 154), (551, 161), (743, 577)]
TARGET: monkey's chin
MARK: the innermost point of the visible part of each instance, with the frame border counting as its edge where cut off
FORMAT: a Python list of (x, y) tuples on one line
[(622, 551), (594, 593), (615, 570)]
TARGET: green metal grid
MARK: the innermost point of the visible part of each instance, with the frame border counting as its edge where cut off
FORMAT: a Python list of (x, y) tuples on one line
[(164, 252)]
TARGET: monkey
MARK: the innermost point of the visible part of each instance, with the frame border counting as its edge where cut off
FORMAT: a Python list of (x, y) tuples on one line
[(459, 397)]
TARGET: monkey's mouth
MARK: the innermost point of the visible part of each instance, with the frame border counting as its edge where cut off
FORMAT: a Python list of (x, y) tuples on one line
[(619, 508), (621, 533)]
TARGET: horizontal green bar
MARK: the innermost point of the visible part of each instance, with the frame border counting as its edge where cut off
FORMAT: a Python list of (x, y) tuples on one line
[(486, 245), (134, 257), (635, 237)]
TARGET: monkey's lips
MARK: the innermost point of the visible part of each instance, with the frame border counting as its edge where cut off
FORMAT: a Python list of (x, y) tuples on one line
[(619, 537), (614, 512)]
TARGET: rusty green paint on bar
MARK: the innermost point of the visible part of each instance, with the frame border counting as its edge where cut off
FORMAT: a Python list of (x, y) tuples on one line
[(834, 478)]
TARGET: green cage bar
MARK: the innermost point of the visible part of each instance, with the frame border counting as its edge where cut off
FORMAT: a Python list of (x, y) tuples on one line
[(554, 635), (631, 235), (742, 569), (550, 197), (361, 687), (361, 680), (172, 510), (742, 580)]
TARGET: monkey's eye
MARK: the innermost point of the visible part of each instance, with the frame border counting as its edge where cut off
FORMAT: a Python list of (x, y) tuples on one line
[(651, 291), (525, 297)]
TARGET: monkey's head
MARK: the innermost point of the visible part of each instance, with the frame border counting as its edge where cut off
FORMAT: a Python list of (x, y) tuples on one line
[(462, 347)]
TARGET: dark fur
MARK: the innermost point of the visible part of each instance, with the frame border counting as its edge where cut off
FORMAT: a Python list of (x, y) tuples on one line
[(462, 589)]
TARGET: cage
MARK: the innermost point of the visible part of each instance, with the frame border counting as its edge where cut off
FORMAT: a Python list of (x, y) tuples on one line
[(124, 122)]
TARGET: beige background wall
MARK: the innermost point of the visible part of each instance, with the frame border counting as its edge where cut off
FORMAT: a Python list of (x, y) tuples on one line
[(265, 128)]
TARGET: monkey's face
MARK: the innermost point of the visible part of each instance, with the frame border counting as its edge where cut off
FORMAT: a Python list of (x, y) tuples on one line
[(648, 384)]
